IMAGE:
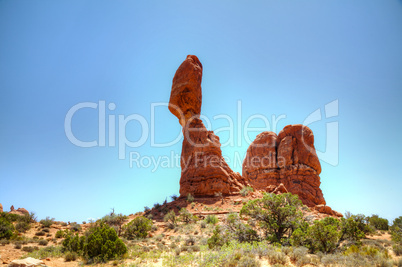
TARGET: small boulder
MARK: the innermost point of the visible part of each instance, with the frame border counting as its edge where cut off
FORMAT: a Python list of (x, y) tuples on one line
[(27, 262)]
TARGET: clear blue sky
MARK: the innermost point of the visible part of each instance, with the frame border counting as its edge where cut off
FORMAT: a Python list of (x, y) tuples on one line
[(285, 58)]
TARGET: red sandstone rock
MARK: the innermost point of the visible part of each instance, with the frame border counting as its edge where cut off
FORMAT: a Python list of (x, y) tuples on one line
[(19, 211), (296, 146), (204, 171), (1, 208), (327, 210), (290, 159), (186, 95)]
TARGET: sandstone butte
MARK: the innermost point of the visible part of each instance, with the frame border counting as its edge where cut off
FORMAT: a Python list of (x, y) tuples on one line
[(281, 163)]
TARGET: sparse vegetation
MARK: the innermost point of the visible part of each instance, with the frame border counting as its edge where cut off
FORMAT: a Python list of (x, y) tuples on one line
[(211, 219), (186, 216), (190, 198), (171, 219), (246, 190), (47, 222)]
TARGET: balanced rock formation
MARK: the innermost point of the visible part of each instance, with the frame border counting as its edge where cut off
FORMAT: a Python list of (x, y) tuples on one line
[(287, 161), (19, 211), (204, 171)]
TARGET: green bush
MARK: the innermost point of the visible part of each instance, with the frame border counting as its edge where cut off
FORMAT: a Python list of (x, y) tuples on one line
[(238, 230), (47, 222), (277, 215), (186, 216), (6, 228), (70, 256), (75, 227), (22, 226), (174, 197), (245, 190), (378, 222), (171, 219), (43, 242), (396, 230), (190, 198), (324, 234), (137, 228), (115, 220), (211, 219), (99, 244), (59, 234), (218, 239), (397, 249)]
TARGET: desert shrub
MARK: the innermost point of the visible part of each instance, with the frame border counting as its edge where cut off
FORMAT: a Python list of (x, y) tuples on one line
[(218, 238), (277, 215), (352, 229), (397, 249), (186, 216), (211, 219), (22, 226), (70, 256), (40, 233), (4, 242), (248, 261), (46, 230), (63, 224), (190, 198), (171, 218), (146, 209), (324, 235), (276, 257), (203, 224), (75, 227), (10, 217), (137, 228), (245, 190), (398, 262), (47, 222), (18, 245), (43, 242), (59, 234), (115, 220), (100, 243), (6, 228), (157, 206), (298, 253), (378, 222), (396, 230), (174, 197), (28, 249), (238, 230), (190, 241)]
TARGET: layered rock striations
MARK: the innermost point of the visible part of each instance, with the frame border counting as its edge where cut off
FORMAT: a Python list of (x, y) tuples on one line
[(281, 163), (204, 171), (288, 158)]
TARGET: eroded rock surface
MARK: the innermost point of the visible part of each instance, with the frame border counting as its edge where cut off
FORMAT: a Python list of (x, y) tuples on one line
[(288, 158), (204, 171)]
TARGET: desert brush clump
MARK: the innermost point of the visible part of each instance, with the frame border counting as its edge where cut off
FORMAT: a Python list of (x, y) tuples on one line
[(277, 215), (171, 219), (137, 228), (6, 228), (47, 222), (186, 216), (99, 244), (246, 190)]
